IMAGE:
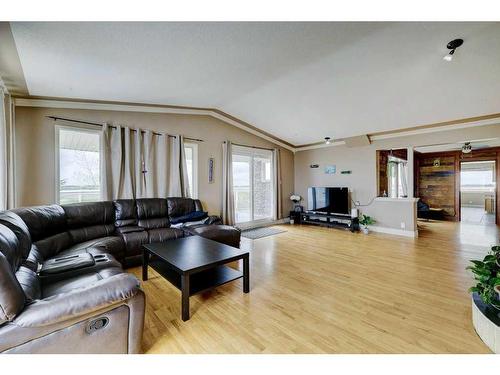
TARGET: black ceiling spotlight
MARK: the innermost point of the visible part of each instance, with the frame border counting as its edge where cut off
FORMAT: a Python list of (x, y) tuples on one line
[(328, 140), (452, 46)]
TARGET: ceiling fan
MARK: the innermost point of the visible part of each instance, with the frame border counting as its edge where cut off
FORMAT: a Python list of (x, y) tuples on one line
[(467, 148)]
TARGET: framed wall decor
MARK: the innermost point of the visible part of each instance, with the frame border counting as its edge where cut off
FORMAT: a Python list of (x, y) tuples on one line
[(330, 169), (211, 162)]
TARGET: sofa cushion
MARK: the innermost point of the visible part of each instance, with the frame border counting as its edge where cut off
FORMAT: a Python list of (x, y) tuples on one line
[(180, 206), (12, 297), (43, 221), (111, 244), (53, 245), (152, 213), (87, 221), (78, 282), (30, 283), (192, 216), (125, 212), (134, 241), (164, 234)]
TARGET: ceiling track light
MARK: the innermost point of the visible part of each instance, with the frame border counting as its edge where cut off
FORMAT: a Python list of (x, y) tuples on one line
[(328, 140), (452, 46)]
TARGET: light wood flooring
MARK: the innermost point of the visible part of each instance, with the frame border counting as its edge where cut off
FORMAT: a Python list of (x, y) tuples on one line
[(321, 290)]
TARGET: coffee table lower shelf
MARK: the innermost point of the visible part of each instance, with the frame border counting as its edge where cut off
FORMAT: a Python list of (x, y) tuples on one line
[(200, 281)]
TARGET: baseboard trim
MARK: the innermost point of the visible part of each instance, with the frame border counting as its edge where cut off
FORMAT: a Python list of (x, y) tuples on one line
[(397, 232)]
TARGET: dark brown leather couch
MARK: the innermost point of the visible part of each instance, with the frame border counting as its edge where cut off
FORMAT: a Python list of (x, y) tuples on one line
[(94, 309), (62, 286)]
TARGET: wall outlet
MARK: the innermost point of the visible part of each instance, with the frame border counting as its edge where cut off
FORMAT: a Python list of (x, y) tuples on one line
[(403, 225)]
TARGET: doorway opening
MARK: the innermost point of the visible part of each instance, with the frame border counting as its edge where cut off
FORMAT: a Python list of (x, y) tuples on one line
[(478, 192)]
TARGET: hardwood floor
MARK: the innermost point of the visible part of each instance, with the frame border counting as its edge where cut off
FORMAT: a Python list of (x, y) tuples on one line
[(319, 290)]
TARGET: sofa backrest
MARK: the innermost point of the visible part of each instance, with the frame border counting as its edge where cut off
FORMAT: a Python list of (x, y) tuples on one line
[(18, 226), (152, 213), (183, 206), (90, 220), (12, 297), (25, 272), (48, 227), (125, 212)]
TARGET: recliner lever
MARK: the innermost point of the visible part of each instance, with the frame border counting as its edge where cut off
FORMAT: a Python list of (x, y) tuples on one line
[(96, 324)]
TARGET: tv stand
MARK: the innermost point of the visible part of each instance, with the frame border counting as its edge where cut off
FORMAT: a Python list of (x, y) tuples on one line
[(331, 220)]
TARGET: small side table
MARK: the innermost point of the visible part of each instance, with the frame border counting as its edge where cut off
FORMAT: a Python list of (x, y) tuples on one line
[(296, 217)]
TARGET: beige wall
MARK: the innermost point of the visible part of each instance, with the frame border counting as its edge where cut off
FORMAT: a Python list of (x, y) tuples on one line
[(35, 149), (362, 162)]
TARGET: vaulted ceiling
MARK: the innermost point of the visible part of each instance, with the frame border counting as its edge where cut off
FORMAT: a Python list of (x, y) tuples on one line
[(298, 81)]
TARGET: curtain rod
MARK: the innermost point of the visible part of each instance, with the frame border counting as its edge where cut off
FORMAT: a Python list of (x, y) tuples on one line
[(114, 127), (260, 148)]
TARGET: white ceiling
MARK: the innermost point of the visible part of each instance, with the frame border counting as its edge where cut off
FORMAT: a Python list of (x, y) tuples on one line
[(298, 81)]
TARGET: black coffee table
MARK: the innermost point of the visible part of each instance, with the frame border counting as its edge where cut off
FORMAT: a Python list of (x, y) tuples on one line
[(194, 265)]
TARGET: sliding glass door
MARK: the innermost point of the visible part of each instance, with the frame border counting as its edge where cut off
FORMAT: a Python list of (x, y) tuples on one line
[(253, 184)]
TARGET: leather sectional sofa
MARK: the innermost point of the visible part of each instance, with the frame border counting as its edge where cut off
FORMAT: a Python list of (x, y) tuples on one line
[(62, 286)]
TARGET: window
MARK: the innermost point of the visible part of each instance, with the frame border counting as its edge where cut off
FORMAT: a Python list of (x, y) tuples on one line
[(397, 174), (252, 184), (191, 151), (78, 165)]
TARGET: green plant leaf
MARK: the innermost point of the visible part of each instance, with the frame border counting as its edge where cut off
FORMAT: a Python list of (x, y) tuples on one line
[(494, 281), (489, 258), (477, 263)]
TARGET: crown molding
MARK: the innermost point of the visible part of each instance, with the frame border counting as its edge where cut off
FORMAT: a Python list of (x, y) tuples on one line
[(439, 127), (133, 107), (319, 145), (492, 119)]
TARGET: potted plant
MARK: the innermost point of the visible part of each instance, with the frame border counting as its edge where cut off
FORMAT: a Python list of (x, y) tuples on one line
[(487, 275), (295, 198), (364, 222)]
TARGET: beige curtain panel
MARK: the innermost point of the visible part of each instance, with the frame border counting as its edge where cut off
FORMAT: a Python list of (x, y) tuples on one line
[(7, 188), (227, 184), (278, 212), (143, 164)]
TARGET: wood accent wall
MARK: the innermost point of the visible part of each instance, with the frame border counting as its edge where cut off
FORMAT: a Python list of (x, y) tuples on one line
[(439, 187)]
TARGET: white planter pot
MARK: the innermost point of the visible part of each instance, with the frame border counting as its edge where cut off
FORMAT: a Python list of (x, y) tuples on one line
[(365, 230)]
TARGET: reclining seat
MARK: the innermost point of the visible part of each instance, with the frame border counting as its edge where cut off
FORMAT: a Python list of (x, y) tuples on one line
[(91, 228), (152, 215), (72, 229), (99, 312), (48, 230), (140, 222), (134, 236)]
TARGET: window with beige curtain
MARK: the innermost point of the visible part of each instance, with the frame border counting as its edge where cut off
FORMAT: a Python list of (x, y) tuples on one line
[(143, 164)]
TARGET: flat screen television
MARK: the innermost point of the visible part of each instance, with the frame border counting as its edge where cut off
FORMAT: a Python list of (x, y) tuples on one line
[(330, 200)]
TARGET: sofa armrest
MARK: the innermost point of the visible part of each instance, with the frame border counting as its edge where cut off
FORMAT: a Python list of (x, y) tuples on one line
[(79, 302)]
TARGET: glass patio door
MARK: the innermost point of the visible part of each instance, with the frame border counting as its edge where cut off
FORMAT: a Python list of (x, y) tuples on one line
[(252, 184)]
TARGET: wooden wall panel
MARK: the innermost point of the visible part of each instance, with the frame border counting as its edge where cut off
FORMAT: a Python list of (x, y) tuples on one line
[(437, 184), (440, 186)]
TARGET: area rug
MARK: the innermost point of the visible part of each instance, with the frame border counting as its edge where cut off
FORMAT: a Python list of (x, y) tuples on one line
[(256, 233)]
